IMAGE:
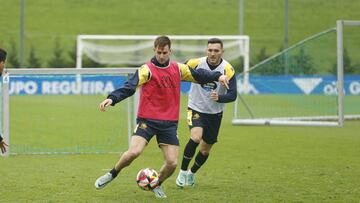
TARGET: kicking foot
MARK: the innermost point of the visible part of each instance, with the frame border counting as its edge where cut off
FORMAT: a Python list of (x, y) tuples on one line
[(102, 181), (159, 192)]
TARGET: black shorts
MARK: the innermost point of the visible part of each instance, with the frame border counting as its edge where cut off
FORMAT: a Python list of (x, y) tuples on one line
[(165, 131), (209, 122)]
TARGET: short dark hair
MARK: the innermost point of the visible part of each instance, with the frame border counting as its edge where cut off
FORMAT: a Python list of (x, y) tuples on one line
[(162, 41), (215, 41), (2, 55)]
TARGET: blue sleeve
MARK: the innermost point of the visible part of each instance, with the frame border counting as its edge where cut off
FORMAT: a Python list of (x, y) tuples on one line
[(125, 91), (203, 76), (231, 93)]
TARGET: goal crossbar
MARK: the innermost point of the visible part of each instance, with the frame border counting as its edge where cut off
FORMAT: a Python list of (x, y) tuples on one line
[(122, 50)]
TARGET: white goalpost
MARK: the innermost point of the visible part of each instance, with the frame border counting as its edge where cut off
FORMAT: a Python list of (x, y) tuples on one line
[(320, 100), (134, 50)]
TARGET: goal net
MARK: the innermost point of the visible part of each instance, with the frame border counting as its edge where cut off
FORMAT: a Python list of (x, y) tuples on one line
[(52, 112), (300, 85), (134, 50)]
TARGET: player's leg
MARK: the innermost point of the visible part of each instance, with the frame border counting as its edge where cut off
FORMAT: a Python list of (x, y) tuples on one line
[(142, 135), (200, 159), (171, 153), (169, 144), (137, 146), (196, 131), (189, 152), (190, 148), (211, 128)]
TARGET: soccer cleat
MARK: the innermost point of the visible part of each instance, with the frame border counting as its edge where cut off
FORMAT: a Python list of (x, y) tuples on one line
[(159, 192), (102, 181), (181, 179), (190, 178)]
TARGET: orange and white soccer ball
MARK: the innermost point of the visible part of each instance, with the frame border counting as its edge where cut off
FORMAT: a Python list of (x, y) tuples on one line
[(147, 179)]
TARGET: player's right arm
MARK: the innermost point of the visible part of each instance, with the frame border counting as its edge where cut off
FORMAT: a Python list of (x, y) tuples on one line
[(141, 76), (190, 73)]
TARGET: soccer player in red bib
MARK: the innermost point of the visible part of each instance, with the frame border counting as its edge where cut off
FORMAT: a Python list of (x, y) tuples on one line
[(158, 112)]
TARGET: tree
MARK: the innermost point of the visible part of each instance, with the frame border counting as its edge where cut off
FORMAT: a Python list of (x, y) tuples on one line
[(57, 61), (275, 66), (348, 67), (86, 62), (12, 59), (302, 64), (72, 56), (238, 65), (261, 56), (33, 61)]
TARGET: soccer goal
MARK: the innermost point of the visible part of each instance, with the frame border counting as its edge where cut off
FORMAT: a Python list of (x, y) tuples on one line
[(134, 50), (312, 83), (48, 111)]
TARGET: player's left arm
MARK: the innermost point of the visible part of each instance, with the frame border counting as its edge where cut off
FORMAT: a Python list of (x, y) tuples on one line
[(141, 76), (231, 93)]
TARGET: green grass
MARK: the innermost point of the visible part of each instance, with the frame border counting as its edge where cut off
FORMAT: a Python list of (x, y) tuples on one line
[(65, 19), (286, 105), (249, 164), (289, 105), (66, 124)]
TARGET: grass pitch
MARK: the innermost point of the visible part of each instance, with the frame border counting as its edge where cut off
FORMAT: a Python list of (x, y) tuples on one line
[(249, 164)]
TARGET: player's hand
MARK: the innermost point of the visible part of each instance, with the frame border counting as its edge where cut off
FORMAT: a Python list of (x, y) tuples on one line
[(104, 104), (3, 146), (214, 95), (224, 80)]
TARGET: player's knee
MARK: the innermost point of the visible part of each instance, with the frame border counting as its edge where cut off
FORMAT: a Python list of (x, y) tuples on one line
[(171, 164), (205, 152), (196, 139), (196, 136), (132, 154)]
